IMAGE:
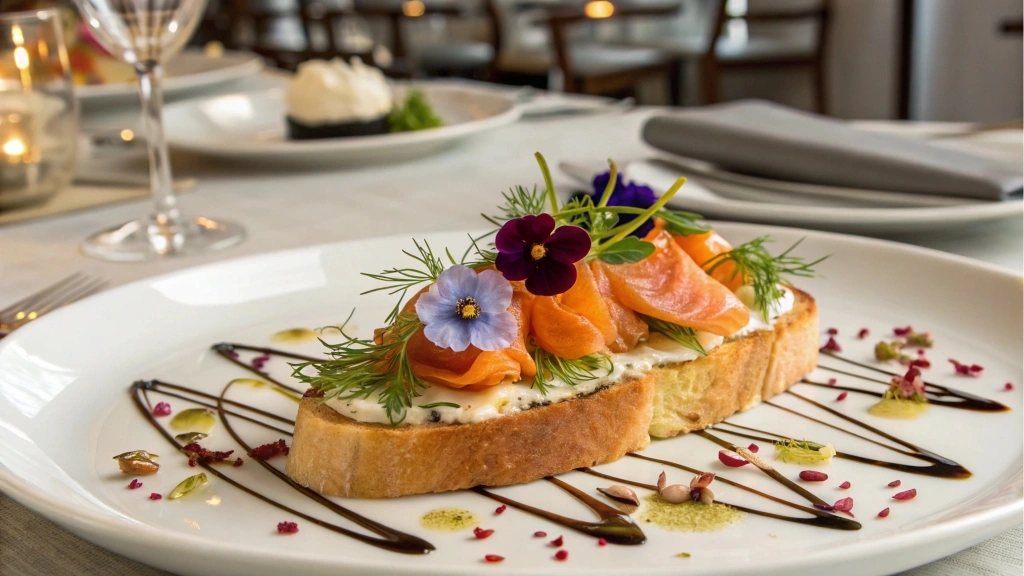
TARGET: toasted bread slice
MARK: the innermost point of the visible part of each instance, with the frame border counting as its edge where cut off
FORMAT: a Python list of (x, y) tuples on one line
[(737, 375), (338, 456)]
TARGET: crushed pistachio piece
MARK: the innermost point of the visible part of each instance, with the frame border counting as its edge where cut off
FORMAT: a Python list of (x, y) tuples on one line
[(135, 455), (803, 452), (188, 485), (194, 420)]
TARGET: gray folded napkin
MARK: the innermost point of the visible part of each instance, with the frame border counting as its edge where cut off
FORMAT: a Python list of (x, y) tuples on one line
[(764, 139)]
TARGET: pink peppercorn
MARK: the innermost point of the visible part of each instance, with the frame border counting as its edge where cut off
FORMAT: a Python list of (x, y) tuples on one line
[(493, 558), (155, 496), (539, 534), (845, 485), (884, 513), (562, 555), (161, 409), (602, 542), (557, 542), (753, 448), (1008, 386)]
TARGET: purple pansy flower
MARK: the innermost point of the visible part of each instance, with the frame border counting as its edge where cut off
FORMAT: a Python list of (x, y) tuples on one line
[(633, 195), (464, 308), (531, 249)]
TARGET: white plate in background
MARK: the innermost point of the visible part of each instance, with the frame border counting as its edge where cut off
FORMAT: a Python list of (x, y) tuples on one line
[(251, 127), (65, 410), (189, 71)]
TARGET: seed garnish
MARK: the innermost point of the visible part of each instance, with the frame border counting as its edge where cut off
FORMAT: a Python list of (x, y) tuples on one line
[(845, 485), (842, 396), (905, 495), (557, 542), (287, 527), (884, 513), (155, 496), (481, 534), (562, 555), (161, 409), (895, 484), (602, 542), (539, 534), (500, 509), (493, 558), (813, 476), (134, 484)]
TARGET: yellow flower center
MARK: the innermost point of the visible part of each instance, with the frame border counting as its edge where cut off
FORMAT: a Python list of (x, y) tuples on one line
[(467, 308), (538, 251)]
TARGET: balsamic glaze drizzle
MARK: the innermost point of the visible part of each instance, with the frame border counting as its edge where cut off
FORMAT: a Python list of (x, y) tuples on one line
[(392, 540), (936, 394), (615, 526), (819, 519)]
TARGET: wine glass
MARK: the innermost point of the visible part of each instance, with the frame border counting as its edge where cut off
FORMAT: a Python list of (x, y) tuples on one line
[(145, 34)]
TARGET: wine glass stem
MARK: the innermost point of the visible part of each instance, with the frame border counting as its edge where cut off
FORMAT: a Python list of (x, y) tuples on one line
[(165, 209)]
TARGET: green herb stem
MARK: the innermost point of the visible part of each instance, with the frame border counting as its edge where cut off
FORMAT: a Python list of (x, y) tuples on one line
[(625, 229), (613, 176), (546, 172)]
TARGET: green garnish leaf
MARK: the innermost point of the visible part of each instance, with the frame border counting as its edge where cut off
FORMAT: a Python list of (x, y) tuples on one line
[(519, 202), (400, 280), (188, 485), (683, 223), (190, 437), (439, 404), (793, 451), (571, 371), (763, 271), (360, 368), (194, 420), (626, 251), (681, 334), (136, 455), (415, 113)]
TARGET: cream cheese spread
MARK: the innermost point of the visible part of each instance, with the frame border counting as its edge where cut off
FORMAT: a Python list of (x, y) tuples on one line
[(510, 398)]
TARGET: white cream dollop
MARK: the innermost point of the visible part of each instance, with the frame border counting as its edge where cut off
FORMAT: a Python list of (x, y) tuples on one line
[(330, 92)]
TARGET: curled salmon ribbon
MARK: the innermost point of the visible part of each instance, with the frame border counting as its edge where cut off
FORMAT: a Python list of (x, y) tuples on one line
[(473, 368)]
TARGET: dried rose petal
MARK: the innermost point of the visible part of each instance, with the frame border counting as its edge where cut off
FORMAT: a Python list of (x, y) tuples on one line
[(481, 534), (602, 542), (966, 370), (557, 542), (287, 527), (539, 534), (731, 459), (895, 484), (842, 396), (845, 485), (155, 496), (268, 451), (238, 462), (562, 555), (905, 495), (902, 331), (864, 332), (831, 346), (134, 484), (1008, 386), (832, 331), (843, 505), (753, 448), (884, 513), (161, 409), (493, 558), (813, 476)]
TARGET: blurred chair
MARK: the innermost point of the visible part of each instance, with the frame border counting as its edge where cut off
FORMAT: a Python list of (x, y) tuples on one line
[(751, 34), (440, 37), (585, 63)]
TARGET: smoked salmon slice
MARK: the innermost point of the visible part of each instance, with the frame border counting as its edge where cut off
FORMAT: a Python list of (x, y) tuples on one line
[(576, 323), (630, 329), (704, 247), (670, 286), (474, 368)]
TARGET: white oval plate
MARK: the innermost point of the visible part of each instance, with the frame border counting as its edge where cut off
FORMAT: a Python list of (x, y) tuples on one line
[(251, 126), (189, 71), (65, 410), (717, 194)]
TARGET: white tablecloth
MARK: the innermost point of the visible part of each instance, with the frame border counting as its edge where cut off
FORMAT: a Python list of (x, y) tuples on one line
[(284, 209)]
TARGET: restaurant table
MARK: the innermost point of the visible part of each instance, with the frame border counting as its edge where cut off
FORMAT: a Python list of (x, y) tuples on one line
[(287, 208)]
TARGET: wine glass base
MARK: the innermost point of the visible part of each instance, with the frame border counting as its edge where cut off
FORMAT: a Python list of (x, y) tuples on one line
[(147, 239)]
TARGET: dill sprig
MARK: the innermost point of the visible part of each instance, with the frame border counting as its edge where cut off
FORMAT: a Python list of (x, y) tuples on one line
[(400, 280), (571, 371), (681, 334), (360, 368), (519, 202), (763, 271)]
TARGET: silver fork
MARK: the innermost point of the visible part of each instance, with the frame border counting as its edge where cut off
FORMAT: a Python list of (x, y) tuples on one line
[(70, 289)]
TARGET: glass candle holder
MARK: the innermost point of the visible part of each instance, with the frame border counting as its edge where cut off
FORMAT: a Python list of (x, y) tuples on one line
[(38, 112)]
